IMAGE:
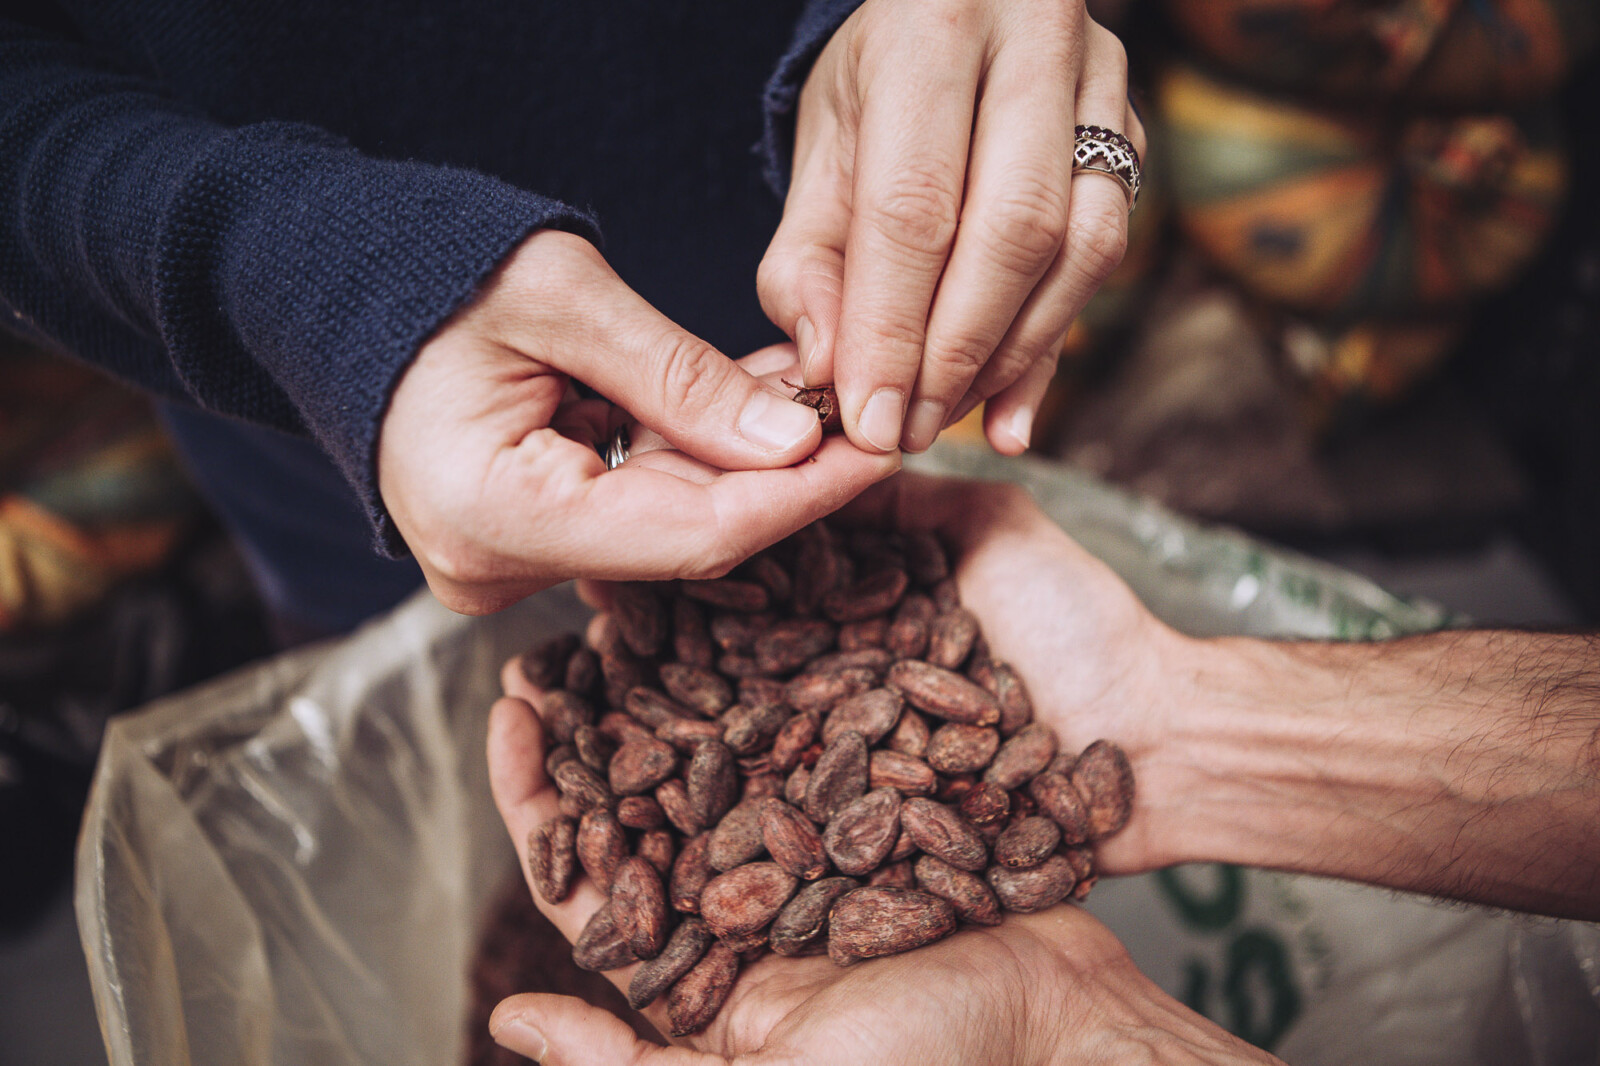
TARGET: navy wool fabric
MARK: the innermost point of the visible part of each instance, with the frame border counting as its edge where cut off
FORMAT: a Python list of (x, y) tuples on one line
[(264, 207)]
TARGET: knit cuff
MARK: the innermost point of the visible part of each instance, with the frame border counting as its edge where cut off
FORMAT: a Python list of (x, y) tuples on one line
[(325, 271), (818, 23)]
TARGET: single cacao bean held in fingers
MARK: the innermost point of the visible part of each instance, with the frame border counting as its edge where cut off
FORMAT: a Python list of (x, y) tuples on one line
[(839, 777), (745, 899), (639, 902), (974, 901), (686, 946), (792, 840), (699, 994), (552, 858), (1033, 888), (943, 693), (943, 833), (1104, 778), (874, 921)]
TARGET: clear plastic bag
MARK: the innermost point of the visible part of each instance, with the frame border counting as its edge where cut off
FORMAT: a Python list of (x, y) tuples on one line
[(289, 865)]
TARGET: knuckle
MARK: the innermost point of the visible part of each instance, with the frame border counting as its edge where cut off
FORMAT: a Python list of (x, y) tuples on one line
[(1097, 238), (689, 371), (961, 355), (918, 212), (1026, 225), (1110, 50)]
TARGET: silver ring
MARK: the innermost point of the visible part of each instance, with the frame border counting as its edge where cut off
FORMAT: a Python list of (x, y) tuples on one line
[(1107, 152), (617, 447)]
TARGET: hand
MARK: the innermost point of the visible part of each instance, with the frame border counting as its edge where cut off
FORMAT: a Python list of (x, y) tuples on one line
[(1096, 662), (1049, 987), (489, 469), (935, 246)]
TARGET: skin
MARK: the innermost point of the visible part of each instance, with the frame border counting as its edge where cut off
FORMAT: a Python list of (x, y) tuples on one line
[(486, 460), (935, 246), (1460, 764)]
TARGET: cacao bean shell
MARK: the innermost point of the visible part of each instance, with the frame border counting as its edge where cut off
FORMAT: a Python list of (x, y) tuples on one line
[(873, 921)]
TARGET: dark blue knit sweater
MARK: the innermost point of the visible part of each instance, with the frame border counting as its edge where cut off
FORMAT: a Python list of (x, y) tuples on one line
[(265, 207)]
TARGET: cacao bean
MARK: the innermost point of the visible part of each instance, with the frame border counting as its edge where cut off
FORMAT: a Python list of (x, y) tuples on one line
[(691, 870), (641, 618), (790, 644), (1104, 778), (659, 848), (728, 593), (913, 622), (746, 899), (686, 946), (943, 693), (691, 637), (943, 833), (1028, 843), (575, 779), (973, 900), (957, 748), (862, 834), (712, 782), (639, 904), (737, 838), (601, 845), (791, 840), (1059, 800), (640, 812), (545, 664), (874, 594), (674, 799), (872, 714), (563, 712), (838, 778), (950, 637), (985, 804), (801, 928), (873, 921), (891, 769), (604, 943), (697, 688), (1023, 757), (552, 858), (1033, 888), (699, 994)]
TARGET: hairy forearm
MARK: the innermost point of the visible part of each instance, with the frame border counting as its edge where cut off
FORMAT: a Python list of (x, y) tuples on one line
[(1463, 764)]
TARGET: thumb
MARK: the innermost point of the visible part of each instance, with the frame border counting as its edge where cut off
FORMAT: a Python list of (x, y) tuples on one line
[(566, 1031), (695, 397)]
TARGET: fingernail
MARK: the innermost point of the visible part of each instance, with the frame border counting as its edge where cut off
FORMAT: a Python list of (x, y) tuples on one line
[(517, 1035), (880, 419), (1020, 425), (927, 419), (805, 339), (772, 422)]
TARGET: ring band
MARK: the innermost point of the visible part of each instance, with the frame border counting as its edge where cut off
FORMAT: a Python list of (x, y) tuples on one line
[(1107, 152), (617, 447)]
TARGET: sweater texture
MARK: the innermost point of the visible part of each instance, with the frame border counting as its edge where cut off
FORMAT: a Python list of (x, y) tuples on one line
[(265, 207)]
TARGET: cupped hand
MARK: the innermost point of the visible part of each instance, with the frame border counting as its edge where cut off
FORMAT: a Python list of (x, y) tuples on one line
[(487, 464), (1096, 662), (935, 245), (1042, 988)]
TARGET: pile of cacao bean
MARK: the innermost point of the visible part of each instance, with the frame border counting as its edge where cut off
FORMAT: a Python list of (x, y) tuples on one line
[(815, 753)]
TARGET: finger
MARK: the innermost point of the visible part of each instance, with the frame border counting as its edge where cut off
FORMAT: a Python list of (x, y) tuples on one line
[(911, 161), (1009, 415), (1097, 237), (801, 277), (566, 1031), (662, 515), (609, 337), (1013, 220), (526, 798)]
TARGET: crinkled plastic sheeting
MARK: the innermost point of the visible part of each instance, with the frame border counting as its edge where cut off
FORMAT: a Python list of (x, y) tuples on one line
[(289, 865)]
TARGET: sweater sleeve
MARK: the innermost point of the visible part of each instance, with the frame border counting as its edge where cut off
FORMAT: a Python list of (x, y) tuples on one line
[(818, 22), (268, 272)]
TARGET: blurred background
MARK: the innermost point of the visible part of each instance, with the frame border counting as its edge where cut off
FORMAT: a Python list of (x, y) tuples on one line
[(1359, 315)]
